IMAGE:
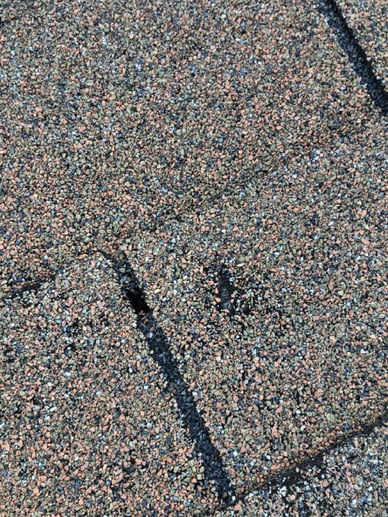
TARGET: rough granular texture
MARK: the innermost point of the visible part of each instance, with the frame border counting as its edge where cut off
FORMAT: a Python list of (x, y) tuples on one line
[(300, 359), (349, 481), (368, 19), (88, 425), (192, 248), (122, 118)]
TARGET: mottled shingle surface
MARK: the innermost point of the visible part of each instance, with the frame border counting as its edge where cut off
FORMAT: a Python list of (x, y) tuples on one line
[(122, 117), (192, 248), (349, 481), (368, 19), (88, 424)]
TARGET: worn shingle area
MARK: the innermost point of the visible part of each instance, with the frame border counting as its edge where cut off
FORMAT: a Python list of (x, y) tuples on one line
[(368, 19), (301, 360)]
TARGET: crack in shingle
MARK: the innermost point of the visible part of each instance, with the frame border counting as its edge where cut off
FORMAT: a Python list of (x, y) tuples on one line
[(205, 449), (225, 291)]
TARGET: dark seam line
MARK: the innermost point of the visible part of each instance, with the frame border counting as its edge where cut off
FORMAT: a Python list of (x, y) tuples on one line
[(157, 342), (199, 433), (293, 475), (356, 54), (225, 291), (35, 285)]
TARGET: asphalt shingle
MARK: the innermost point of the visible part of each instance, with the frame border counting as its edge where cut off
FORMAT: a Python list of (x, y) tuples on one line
[(192, 246), (368, 19)]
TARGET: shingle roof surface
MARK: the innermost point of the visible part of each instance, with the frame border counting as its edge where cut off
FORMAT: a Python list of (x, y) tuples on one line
[(193, 258)]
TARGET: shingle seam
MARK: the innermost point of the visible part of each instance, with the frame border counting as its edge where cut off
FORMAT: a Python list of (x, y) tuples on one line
[(15, 293), (293, 475), (356, 54), (206, 451)]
